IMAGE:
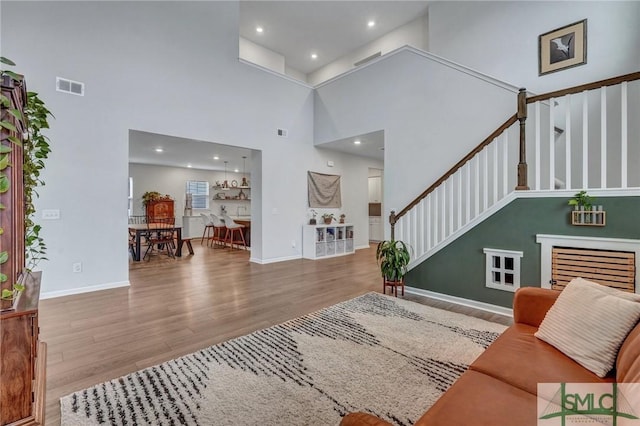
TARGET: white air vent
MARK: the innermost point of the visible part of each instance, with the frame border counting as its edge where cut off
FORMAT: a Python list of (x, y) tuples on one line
[(69, 86), (367, 59), (282, 132)]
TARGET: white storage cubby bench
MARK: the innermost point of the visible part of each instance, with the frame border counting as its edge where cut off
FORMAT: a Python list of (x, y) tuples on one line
[(322, 241)]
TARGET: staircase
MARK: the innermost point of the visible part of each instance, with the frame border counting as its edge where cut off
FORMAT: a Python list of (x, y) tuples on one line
[(567, 140)]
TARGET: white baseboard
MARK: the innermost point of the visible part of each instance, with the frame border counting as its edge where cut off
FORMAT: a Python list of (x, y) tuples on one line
[(275, 259), (80, 290), (362, 247), (488, 307)]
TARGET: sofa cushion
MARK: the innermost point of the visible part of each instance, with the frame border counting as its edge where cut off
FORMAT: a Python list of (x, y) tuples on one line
[(628, 362), (589, 322), (517, 357), (480, 400)]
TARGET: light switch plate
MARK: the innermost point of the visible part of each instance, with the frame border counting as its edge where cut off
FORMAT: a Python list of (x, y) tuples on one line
[(51, 214)]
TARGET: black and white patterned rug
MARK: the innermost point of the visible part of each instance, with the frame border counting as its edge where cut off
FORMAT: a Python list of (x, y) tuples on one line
[(374, 353)]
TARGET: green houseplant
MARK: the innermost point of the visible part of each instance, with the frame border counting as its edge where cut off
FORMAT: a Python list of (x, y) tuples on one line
[(36, 149), (582, 200), (393, 257)]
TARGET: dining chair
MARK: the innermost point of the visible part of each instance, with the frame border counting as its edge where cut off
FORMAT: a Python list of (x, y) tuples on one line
[(136, 220), (219, 230), (234, 234), (161, 236), (208, 228)]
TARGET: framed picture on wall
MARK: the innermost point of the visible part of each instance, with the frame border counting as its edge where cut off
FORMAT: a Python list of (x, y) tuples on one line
[(563, 48)]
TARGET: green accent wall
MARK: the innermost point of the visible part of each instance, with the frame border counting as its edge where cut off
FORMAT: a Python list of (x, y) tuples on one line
[(459, 269)]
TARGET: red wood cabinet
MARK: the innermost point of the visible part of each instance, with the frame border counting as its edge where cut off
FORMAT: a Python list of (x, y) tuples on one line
[(160, 209)]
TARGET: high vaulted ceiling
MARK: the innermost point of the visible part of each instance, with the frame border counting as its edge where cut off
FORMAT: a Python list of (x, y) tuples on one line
[(295, 29)]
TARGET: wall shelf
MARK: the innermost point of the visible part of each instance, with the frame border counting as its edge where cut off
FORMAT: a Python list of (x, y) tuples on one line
[(588, 217)]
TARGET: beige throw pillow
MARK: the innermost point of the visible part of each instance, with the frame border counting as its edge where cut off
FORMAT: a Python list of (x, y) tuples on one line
[(588, 323)]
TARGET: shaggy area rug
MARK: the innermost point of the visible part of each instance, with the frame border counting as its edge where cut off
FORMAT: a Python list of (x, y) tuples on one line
[(375, 353)]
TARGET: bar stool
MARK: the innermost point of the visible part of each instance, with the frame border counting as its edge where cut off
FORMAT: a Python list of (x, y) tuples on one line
[(233, 229), (219, 230), (208, 228)]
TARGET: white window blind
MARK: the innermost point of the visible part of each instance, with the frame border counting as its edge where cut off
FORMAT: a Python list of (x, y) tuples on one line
[(199, 191)]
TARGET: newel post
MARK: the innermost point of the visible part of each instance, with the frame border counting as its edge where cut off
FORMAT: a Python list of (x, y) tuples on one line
[(392, 221), (522, 117)]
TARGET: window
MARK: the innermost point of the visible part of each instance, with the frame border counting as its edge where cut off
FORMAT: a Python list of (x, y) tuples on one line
[(502, 269), (199, 191)]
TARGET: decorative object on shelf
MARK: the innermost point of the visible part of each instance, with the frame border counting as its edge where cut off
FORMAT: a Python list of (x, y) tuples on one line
[(242, 195), (188, 204), (245, 182), (225, 184), (563, 48), (312, 221), (393, 257), (234, 183), (327, 218), (584, 212), (342, 216)]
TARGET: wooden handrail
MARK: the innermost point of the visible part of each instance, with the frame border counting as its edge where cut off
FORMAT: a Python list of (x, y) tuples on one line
[(458, 165), (520, 115), (590, 86)]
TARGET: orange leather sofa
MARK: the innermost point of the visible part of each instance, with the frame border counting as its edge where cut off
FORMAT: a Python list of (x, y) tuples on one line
[(499, 388)]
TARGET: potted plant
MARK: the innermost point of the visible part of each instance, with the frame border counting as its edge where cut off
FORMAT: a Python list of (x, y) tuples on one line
[(154, 196), (582, 202), (393, 257), (312, 221), (35, 150), (342, 216), (327, 218)]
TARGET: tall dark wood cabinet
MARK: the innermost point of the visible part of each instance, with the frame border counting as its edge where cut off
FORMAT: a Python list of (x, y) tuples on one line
[(22, 360), (22, 355)]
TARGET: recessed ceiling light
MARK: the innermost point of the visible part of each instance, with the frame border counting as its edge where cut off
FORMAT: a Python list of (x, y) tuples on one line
[(357, 142), (215, 157), (189, 165), (159, 150), (371, 24), (236, 170), (314, 56), (259, 30)]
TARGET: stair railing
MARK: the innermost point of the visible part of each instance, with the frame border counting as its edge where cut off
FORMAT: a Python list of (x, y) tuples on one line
[(457, 197)]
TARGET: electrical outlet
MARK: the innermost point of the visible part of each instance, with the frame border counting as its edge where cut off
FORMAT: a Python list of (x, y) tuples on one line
[(77, 267)]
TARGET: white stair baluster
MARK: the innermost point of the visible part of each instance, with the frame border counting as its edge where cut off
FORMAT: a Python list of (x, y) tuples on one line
[(537, 132), (459, 173), (603, 137), (505, 164), (567, 143), (485, 178), (623, 135), (552, 145), (585, 139), (495, 170)]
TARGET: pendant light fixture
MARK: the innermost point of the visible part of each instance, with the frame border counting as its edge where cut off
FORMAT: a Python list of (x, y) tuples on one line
[(225, 185), (244, 183)]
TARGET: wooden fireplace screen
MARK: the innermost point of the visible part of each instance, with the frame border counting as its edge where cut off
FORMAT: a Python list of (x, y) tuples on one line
[(611, 268)]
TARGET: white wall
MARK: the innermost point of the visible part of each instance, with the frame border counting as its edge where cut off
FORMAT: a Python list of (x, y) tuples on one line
[(501, 38), (261, 56), (432, 113), (164, 67), (412, 34)]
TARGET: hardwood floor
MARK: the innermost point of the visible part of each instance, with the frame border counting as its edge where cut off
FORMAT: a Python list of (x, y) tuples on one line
[(175, 307)]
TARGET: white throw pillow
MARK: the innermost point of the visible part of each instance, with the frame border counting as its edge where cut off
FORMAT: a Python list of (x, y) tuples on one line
[(588, 323)]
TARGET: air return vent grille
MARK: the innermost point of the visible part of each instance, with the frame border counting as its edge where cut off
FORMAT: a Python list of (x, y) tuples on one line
[(69, 86)]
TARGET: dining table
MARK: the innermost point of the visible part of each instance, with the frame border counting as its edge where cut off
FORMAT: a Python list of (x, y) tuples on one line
[(141, 229)]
